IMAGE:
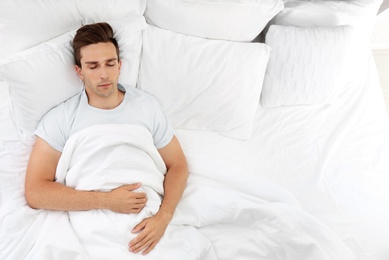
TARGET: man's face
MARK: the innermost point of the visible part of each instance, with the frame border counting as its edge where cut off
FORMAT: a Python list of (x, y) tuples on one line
[(99, 70)]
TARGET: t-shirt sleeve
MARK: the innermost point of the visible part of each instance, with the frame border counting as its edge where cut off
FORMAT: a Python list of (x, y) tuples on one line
[(50, 129), (163, 132)]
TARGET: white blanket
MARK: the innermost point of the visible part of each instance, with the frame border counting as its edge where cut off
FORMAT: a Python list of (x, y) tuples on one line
[(214, 220), (102, 158), (264, 222)]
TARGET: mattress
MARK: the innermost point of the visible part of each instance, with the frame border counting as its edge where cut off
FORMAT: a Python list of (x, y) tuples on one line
[(331, 159), (286, 161)]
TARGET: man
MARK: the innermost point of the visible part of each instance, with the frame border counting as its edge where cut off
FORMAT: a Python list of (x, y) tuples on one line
[(104, 101)]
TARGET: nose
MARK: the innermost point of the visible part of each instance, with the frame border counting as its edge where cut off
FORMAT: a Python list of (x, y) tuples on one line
[(104, 74)]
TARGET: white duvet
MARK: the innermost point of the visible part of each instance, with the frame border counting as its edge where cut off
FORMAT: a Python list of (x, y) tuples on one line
[(211, 222), (99, 158)]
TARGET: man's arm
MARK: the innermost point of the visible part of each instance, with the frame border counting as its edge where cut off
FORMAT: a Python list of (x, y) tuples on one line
[(43, 192), (152, 229)]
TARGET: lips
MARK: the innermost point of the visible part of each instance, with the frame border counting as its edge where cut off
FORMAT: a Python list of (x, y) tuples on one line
[(104, 85)]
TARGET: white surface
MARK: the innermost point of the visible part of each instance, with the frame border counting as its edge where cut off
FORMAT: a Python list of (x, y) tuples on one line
[(380, 47), (237, 20), (14, 153), (359, 13), (334, 159), (48, 71), (98, 234), (306, 66), (384, 6), (380, 38), (25, 24), (278, 228), (381, 57), (204, 84)]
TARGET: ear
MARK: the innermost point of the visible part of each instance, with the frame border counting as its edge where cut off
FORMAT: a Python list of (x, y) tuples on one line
[(79, 72)]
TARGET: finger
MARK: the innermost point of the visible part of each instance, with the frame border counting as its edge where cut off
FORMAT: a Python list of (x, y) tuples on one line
[(134, 207), (135, 210), (142, 245), (137, 242), (139, 195), (139, 227), (138, 205), (151, 247), (132, 186), (139, 208), (140, 201)]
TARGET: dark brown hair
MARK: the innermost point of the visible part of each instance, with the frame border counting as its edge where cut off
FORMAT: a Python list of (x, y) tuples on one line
[(91, 34)]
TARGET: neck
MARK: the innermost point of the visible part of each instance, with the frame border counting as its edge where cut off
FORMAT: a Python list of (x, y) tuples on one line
[(105, 102)]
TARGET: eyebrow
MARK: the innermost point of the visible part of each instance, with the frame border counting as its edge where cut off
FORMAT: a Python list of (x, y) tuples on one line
[(96, 62)]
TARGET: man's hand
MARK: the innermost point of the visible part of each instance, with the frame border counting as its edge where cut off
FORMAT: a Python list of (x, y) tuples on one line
[(151, 231), (125, 200)]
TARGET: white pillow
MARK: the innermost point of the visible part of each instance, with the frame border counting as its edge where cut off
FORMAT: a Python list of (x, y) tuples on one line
[(320, 13), (360, 14), (24, 24), (306, 65), (93, 11), (239, 20), (44, 76), (204, 84)]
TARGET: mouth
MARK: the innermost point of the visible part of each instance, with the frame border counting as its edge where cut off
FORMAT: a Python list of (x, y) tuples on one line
[(105, 85)]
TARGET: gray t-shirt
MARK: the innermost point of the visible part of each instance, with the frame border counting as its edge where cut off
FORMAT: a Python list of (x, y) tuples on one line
[(75, 114)]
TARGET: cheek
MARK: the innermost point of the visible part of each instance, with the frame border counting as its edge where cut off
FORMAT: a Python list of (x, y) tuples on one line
[(113, 72), (118, 71), (90, 75)]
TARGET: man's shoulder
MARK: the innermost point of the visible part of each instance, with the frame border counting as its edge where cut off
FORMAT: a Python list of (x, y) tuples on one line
[(140, 95), (74, 100), (66, 105)]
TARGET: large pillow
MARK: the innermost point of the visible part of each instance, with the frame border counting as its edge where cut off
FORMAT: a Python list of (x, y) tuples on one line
[(24, 24), (319, 13), (204, 84), (239, 20), (360, 14), (43, 76), (93, 11), (306, 66)]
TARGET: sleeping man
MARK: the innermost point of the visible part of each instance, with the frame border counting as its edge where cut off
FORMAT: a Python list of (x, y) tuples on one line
[(107, 150)]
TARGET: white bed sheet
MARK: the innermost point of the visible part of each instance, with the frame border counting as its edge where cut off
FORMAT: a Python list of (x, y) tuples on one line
[(14, 153), (333, 159)]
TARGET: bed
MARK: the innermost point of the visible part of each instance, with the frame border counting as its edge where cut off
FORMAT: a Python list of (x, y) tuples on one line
[(277, 105)]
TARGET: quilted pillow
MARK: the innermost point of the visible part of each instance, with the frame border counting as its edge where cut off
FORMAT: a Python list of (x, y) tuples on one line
[(306, 65), (360, 14), (204, 84), (239, 20), (44, 76)]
